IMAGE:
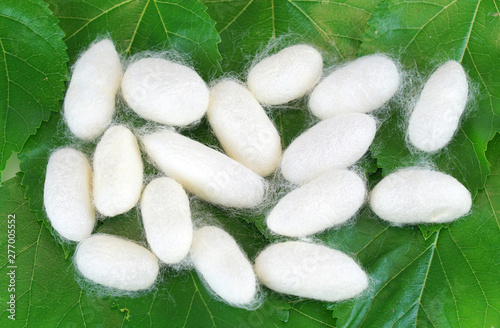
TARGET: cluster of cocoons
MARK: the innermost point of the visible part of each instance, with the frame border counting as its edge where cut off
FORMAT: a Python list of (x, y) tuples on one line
[(319, 163)]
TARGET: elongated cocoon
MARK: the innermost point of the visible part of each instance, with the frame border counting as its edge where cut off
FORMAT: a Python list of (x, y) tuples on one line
[(335, 143), (360, 86), (167, 219), (67, 194), (329, 200), (118, 172), (116, 262), (220, 261), (243, 128), (437, 113), (286, 75), (165, 92), (89, 104), (310, 270), (204, 171), (415, 195)]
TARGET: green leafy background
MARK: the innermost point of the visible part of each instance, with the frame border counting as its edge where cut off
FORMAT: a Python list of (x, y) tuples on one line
[(426, 276)]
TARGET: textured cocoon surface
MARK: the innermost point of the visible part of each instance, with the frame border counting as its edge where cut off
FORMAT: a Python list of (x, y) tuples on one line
[(243, 128), (416, 195), (360, 86), (116, 262), (436, 115), (165, 92), (167, 219), (204, 171), (329, 200), (89, 104), (286, 75), (67, 194), (310, 270), (118, 172), (335, 143), (220, 261)]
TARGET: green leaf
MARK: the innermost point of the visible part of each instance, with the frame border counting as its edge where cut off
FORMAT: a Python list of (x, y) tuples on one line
[(32, 71), (423, 35)]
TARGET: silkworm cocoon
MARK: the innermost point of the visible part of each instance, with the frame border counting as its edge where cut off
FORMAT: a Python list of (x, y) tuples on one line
[(118, 172), (330, 199), (286, 75), (417, 195), (67, 194), (243, 128), (165, 92), (361, 86), (437, 113), (204, 171), (116, 263), (310, 270), (167, 219), (89, 104), (222, 264), (335, 143)]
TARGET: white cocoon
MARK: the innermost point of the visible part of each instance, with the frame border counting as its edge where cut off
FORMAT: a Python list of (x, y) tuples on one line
[(437, 113), (89, 104), (167, 219), (286, 75), (416, 195), (335, 143), (203, 171), (310, 270), (116, 262), (118, 172), (223, 265), (360, 86), (243, 128), (329, 200), (67, 194), (165, 92)]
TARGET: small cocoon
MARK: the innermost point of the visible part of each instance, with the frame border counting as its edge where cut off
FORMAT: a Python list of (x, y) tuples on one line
[(167, 219), (335, 143), (165, 92), (223, 265), (67, 194), (89, 104), (118, 172), (310, 270), (203, 171), (416, 195), (116, 263), (360, 86), (286, 75), (329, 200), (437, 113), (243, 128)]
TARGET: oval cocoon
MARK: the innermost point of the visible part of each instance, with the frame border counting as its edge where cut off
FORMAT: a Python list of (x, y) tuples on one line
[(118, 172), (116, 262), (286, 75), (310, 270), (204, 171), (335, 143), (329, 200), (416, 195), (437, 113), (167, 219), (220, 261), (89, 104), (360, 86), (165, 92), (67, 194), (243, 128)]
